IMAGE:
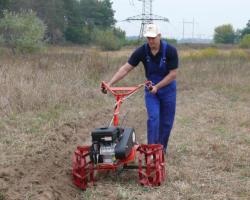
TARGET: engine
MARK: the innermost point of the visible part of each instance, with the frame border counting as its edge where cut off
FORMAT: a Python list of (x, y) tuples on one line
[(111, 143)]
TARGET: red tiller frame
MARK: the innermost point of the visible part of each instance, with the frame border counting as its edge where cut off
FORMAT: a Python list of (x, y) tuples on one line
[(151, 165), (151, 162), (120, 94)]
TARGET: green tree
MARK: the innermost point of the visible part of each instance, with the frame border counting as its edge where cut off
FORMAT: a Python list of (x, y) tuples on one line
[(245, 41), (97, 13), (73, 20), (78, 34), (246, 30), (22, 31), (224, 34), (53, 15), (76, 31), (4, 5), (17, 5), (51, 12), (72, 13), (84, 17)]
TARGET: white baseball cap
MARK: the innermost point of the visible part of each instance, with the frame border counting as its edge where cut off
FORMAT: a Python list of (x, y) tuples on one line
[(151, 30)]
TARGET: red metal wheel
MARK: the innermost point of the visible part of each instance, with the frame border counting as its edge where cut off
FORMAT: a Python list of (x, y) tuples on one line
[(83, 167), (151, 166)]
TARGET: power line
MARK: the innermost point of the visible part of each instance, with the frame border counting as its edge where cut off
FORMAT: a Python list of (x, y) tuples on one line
[(183, 27), (147, 16)]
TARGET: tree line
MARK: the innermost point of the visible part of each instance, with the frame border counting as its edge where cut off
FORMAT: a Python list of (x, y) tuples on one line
[(226, 34), (26, 24), (76, 21)]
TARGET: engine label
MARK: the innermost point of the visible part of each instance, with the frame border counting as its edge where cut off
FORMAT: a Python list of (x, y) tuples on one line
[(107, 138)]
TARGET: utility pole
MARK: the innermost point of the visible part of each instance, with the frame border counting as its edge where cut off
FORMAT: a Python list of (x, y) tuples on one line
[(183, 28), (146, 17)]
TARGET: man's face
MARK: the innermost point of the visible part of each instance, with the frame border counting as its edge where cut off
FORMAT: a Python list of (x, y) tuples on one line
[(154, 42)]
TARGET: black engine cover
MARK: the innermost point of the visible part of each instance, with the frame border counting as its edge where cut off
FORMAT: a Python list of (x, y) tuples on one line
[(124, 147), (106, 134)]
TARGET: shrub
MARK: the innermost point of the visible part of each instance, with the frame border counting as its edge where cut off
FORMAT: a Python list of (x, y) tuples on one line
[(208, 53), (245, 41), (107, 40), (22, 31), (1, 196), (238, 54)]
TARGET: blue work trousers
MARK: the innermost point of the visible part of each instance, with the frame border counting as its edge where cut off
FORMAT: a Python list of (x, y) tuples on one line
[(161, 112)]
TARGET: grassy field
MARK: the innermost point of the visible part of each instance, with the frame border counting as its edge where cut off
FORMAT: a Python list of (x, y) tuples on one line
[(51, 101)]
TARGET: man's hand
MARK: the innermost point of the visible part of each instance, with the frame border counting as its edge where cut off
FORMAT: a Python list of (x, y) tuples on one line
[(103, 89), (153, 89)]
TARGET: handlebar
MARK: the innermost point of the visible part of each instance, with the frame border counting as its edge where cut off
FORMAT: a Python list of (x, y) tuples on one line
[(124, 91)]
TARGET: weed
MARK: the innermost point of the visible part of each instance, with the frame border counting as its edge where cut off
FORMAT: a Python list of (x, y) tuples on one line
[(2, 196)]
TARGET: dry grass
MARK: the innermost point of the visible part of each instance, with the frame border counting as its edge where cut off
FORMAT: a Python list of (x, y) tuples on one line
[(50, 102)]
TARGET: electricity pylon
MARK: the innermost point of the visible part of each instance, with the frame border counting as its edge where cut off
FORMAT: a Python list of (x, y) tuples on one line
[(146, 17)]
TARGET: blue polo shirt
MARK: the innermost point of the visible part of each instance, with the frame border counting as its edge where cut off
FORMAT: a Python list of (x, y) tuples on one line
[(139, 55)]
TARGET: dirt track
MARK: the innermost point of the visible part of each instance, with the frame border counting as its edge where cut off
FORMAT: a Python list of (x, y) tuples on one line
[(45, 174)]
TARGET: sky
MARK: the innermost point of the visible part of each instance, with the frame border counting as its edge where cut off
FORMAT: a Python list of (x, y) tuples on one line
[(200, 17)]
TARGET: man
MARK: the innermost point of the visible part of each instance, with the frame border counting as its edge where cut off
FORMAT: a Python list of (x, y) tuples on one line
[(160, 62)]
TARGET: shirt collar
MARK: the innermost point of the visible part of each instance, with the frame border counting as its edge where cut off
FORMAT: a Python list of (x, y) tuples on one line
[(160, 50)]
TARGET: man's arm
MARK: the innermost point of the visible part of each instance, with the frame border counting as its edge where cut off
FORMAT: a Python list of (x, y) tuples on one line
[(122, 72), (165, 81)]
